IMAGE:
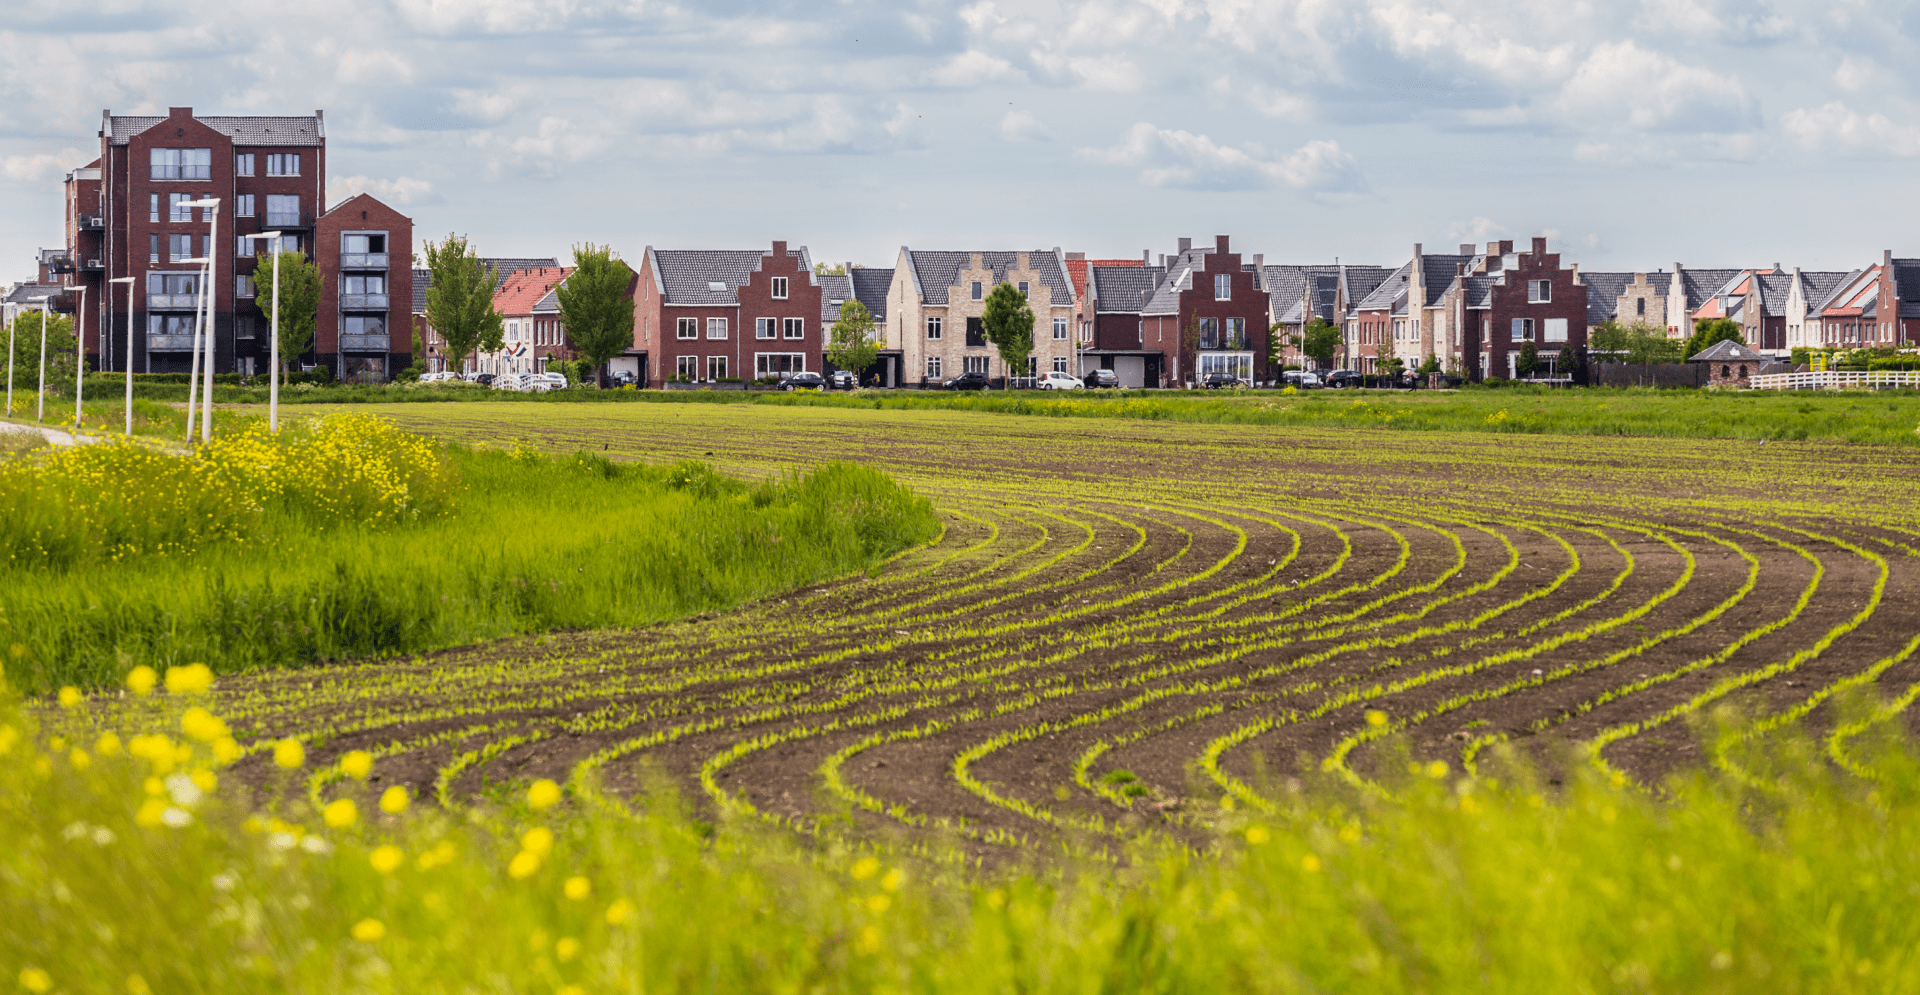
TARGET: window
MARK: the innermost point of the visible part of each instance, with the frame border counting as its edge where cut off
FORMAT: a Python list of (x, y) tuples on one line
[(770, 364), (243, 246), (1059, 364), (1236, 333), (933, 367), (716, 367), (246, 327), (1210, 333), (687, 367), (1222, 287), (243, 164), (1023, 288), (793, 328), (179, 248), (976, 333), (176, 207), (1539, 291), (243, 205), (153, 207), (153, 248), (1060, 328), (242, 285), (976, 364), (181, 164), (933, 329), (976, 290), (1555, 330), (763, 327), (1523, 329), (363, 244), (363, 324), (375, 284), (283, 209), (170, 324), (173, 283), (1239, 364), (779, 288), (1640, 306), (686, 328), (716, 328), (288, 243), (283, 164)]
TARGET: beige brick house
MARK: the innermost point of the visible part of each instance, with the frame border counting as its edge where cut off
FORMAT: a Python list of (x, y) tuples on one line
[(936, 299)]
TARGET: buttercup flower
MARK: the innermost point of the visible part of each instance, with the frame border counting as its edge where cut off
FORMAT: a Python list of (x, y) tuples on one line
[(225, 750), (578, 888), (543, 794), (201, 724), (538, 840), (108, 745), (523, 864), (357, 764), (369, 930), (340, 813), (393, 801), (618, 912), (70, 697), (566, 949), (35, 980), (140, 680), (386, 858), (289, 753), (194, 678)]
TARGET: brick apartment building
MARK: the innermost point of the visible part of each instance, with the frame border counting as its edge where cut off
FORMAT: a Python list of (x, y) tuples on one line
[(125, 218), (1209, 314), (713, 315), (937, 299)]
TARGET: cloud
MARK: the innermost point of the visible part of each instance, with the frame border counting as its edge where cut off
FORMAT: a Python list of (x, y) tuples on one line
[(43, 168), (1835, 127), (1622, 85), (395, 192), (1477, 229), (1021, 126), (1181, 159)]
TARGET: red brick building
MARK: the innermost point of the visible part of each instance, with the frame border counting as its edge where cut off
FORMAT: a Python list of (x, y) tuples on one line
[(721, 315), (1208, 314), (1531, 300), (363, 331)]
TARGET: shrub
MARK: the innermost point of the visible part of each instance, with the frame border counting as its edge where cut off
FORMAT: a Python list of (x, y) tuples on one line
[(322, 374)]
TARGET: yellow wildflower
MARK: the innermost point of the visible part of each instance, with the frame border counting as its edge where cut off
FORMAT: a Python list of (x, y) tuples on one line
[(893, 880), (194, 678), (386, 858), (108, 745), (618, 912), (289, 753), (571, 990), (543, 794), (340, 813), (1376, 718), (538, 840), (152, 813), (393, 801), (566, 949), (79, 759), (205, 780), (1310, 864), (137, 985), (865, 868), (1437, 769), (70, 697), (35, 980), (879, 903), (523, 864), (1257, 835), (357, 764), (578, 888), (225, 750), (140, 680), (202, 725), (369, 930)]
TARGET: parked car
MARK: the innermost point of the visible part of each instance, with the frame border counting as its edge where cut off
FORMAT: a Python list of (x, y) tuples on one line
[(804, 381), (620, 378), (843, 380), (1101, 378), (484, 379), (970, 380), (1343, 379), (1057, 380), (543, 382), (1215, 381)]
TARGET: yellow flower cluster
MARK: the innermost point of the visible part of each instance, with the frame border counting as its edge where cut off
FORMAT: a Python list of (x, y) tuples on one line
[(342, 468)]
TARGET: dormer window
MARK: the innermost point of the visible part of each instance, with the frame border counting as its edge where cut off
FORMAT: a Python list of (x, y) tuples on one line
[(779, 288), (716, 286)]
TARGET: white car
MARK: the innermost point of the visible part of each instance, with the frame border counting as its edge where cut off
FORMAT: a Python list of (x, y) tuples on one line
[(1057, 380)]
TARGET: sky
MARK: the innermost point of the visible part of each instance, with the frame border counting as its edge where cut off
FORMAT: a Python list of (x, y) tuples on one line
[(1632, 135)]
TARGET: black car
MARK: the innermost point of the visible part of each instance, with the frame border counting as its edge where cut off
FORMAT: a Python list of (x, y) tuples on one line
[(1101, 378), (804, 381), (1343, 378), (1215, 381), (483, 378), (970, 380)]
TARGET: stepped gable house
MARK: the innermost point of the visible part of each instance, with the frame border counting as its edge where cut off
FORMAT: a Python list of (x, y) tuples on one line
[(712, 315), (1208, 314), (937, 298)]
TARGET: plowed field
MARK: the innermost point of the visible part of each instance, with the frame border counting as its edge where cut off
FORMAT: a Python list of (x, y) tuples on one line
[(1124, 620)]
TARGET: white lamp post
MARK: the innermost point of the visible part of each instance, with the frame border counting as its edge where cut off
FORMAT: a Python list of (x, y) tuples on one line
[(79, 354), (273, 365), (129, 281), (212, 204), (193, 369), (40, 409)]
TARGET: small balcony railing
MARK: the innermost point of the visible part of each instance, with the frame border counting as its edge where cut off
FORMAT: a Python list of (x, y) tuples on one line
[(169, 343), (363, 302), (363, 260), (363, 343), (172, 302)]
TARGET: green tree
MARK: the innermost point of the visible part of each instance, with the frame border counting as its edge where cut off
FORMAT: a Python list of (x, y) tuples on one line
[(1529, 359), (460, 298), (850, 345), (1707, 331), (26, 352), (595, 308), (1319, 340), (1563, 362), (822, 269), (299, 302), (1007, 322)]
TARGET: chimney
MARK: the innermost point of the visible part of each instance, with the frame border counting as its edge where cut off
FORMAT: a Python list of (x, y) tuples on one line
[(1539, 245), (1220, 244), (1460, 269), (1186, 245), (1259, 258), (973, 261), (1146, 257), (779, 253), (1076, 255), (1466, 248), (1163, 260), (1416, 250)]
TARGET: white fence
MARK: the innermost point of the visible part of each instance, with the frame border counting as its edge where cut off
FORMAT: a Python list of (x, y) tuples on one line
[(1834, 380)]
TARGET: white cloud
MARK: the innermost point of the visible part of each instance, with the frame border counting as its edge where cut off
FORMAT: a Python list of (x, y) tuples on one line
[(972, 68), (1477, 229), (1623, 85), (1176, 158), (1835, 127), (1022, 126), (44, 167), (395, 192)]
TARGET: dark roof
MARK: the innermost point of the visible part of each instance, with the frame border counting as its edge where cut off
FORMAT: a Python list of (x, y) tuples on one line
[(1701, 285), (688, 276), (1906, 286), (505, 267), (938, 271), (871, 286), (1123, 288), (1726, 351), (1438, 273), (1286, 287), (23, 293), (307, 131), (1480, 290), (1603, 294), (834, 287), (1178, 277), (1819, 286), (1363, 280), (1389, 290)]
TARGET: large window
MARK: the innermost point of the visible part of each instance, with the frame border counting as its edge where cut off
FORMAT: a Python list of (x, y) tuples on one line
[(283, 209), (716, 328), (1523, 329), (1555, 330), (170, 324), (1236, 333), (934, 328), (374, 284), (772, 364), (716, 367), (793, 328), (763, 328), (686, 328), (1222, 287), (283, 164), (687, 367), (363, 243), (933, 367), (182, 164), (173, 283), (179, 248), (243, 205), (177, 209), (1539, 291), (1210, 334), (975, 364), (363, 324), (779, 288), (243, 164), (976, 333), (1060, 328), (1240, 364)]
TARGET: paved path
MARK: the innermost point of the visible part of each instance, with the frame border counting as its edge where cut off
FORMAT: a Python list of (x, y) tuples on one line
[(53, 435)]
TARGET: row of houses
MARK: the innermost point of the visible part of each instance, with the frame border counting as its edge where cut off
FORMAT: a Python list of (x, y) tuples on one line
[(177, 200)]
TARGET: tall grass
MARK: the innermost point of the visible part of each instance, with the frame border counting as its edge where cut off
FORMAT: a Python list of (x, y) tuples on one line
[(346, 540), (152, 875)]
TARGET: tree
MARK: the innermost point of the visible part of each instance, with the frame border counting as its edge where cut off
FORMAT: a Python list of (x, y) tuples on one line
[(1707, 331), (418, 368), (595, 308), (460, 298), (26, 350), (1563, 362), (1007, 322), (822, 269), (1319, 340), (299, 302), (850, 345), (1529, 359)]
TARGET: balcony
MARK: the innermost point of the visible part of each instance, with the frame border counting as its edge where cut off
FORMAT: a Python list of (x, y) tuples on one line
[(56, 261), (363, 260), (363, 302), (169, 343), (1219, 343), (288, 222), (89, 221), (172, 302), (363, 343)]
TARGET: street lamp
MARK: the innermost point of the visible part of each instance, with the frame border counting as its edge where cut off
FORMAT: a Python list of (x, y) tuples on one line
[(212, 204), (79, 353), (273, 365), (129, 281), (40, 409), (193, 368)]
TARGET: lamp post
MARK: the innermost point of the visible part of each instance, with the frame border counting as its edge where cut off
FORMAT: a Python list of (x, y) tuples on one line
[(193, 368), (212, 205), (46, 315), (79, 355), (129, 281), (273, 332)]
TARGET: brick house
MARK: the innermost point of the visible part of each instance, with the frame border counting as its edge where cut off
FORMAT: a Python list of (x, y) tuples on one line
[(124, 220), (1807, 291), (1729, 364), (437, 359), (1408, 314), (936, 301), (530, 332), (1208, 314), (1112, 304), (1300, 294), (1877, 307), (363, 331), (1632, 299), (714, 315)]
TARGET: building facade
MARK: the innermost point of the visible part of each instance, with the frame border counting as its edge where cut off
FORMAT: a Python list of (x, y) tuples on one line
[(937, 299), (712, 315), (363, 332)]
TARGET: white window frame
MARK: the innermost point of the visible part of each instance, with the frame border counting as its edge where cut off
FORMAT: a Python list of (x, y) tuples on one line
[(243, 164), (764, 328), (687, 367), (1060, 329), (763, 363), (280, 217), (933, 367), (936, 327), (686, 328), (1060, 364), (1539, 291), (1522, 330), (1554, 330), (716, 368), (277, 163), (793, 328), (779, 288), (242, 285), (975, 364), (1222, 287), (1023, 288), (1240, 364), (716, 329)]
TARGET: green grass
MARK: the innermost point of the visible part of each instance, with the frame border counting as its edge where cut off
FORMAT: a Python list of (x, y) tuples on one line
[(129, 875), (100, 583)]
